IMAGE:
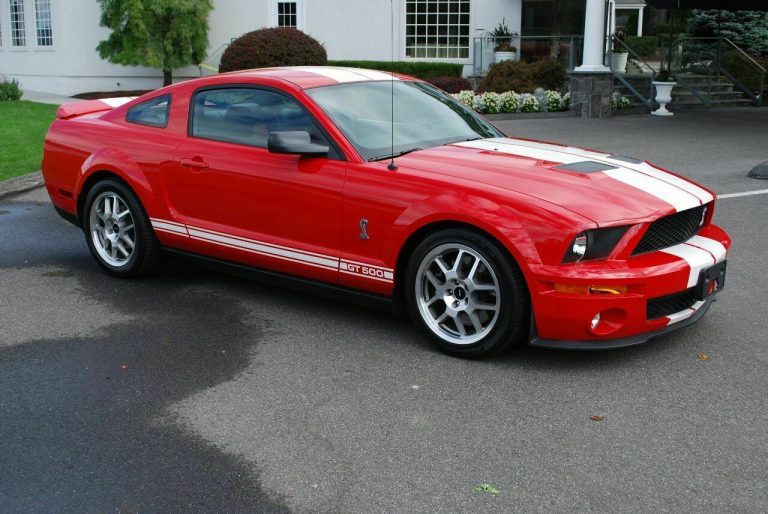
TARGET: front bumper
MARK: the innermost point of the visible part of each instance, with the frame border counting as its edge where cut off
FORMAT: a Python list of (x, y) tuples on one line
[(619, 342), (563, 319)]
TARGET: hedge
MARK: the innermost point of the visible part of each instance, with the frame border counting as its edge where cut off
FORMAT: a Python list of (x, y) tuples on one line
[(644, 46), (451, 84), (523, 76), (422, 70)]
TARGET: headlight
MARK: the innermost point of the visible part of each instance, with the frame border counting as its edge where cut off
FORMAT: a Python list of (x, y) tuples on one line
[(594, 244)]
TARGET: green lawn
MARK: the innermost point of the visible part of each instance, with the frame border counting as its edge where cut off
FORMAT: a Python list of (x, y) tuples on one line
[(22, 130)]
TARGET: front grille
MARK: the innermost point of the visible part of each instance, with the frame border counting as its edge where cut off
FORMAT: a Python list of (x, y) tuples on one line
[(660, 307), (671, 230)]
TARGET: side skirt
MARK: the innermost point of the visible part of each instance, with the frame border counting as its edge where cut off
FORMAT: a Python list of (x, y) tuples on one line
[(324, 289)]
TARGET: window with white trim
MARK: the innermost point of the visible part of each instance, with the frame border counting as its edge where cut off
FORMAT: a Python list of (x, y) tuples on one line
[(43, 23), (18, 29), (287, 14), (437, 29)]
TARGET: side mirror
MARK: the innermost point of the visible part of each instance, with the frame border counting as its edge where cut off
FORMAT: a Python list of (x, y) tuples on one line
[(295, 142)]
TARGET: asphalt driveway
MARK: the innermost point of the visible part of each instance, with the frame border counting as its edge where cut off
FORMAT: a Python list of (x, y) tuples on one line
[(198, 392)]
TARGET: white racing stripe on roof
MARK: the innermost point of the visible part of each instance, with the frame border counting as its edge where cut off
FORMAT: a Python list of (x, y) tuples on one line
[(696, 258), (371, 74), (116, 102), (678, 198), (338, 74)]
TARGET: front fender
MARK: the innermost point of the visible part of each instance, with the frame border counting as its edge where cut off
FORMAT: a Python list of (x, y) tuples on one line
[(532, 231)]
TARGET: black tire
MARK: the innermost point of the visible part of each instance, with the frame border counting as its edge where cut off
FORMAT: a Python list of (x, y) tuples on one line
[(145, 256), (510, 295)]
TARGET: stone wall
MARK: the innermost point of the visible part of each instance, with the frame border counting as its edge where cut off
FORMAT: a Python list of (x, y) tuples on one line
[(591, 94)]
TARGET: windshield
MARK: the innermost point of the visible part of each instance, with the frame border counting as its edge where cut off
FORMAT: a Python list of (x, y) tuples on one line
[(424, 117)]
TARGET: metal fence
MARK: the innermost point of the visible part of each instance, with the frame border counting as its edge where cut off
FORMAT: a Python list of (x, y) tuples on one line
[(567, 50)]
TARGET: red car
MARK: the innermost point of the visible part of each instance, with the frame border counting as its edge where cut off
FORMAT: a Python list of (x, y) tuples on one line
[(306, 176)]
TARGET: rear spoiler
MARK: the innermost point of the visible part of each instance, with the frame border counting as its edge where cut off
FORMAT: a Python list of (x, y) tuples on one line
[(74, 109)]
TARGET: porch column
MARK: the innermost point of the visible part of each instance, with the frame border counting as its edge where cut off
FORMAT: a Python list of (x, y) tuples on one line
[(594, 25)]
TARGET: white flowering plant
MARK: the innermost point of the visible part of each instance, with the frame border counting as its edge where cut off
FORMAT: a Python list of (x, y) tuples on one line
[(619, 101), (510, 102)]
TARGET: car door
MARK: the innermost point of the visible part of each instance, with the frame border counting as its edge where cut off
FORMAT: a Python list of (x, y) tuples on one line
[(242, 203)]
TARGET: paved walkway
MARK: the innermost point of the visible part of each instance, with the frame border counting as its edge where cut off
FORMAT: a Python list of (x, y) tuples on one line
[(48, 98)]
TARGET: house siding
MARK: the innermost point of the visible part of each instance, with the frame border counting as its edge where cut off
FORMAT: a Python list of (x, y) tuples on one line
[(349, 29)]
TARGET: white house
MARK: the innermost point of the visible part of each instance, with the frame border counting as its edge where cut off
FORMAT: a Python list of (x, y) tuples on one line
[(50, 45)]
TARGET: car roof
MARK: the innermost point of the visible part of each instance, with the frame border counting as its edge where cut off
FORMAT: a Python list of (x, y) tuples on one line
[(307, 77)]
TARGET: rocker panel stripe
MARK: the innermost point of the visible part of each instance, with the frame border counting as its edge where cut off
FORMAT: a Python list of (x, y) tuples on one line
[(317, 260)]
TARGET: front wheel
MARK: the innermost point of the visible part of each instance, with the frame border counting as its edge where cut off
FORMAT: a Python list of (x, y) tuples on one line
[(118, 231), (466, 294)]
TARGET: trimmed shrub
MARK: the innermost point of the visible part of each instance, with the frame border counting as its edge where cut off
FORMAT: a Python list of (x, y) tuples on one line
[(423, 70), (549, 74), (508, 76), (523, 76), (10, 90), (451, 84), (271, 47), (644, 46)]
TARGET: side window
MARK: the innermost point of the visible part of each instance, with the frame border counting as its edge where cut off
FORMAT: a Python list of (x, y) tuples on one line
[(247, 116), (153, 113)]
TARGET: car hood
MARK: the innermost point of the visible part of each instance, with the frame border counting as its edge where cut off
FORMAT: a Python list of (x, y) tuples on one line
[(602, 187)]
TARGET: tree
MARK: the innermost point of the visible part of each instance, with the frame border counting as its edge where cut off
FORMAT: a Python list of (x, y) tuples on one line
[(747, 29), (163, 34)]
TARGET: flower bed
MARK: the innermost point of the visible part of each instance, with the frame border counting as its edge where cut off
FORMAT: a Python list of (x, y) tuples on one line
[(511, 102)]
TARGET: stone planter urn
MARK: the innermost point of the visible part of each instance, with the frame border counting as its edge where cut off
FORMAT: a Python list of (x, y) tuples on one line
[(504, 56), (619, 62), (663, 97)]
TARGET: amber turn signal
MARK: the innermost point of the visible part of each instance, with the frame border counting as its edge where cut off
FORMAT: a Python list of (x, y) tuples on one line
[(593, 289)]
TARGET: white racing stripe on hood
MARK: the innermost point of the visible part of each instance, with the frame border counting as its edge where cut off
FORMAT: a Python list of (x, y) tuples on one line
[(541, 154), (696, 258), (674, 195), (698, 192), (703, 195), (678, 198)]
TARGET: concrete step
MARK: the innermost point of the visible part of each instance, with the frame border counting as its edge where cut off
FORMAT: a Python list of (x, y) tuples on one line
[(695, 102), (715, 95)]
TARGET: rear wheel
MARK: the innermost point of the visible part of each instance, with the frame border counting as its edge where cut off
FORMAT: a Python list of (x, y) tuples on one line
[(466, 294), (118, 231)]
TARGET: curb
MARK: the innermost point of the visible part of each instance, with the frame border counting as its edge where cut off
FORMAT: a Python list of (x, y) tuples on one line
[(528, 115), (21, 184)]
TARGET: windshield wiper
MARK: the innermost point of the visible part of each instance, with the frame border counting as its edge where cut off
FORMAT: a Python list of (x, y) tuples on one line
[(464, 140), (396, 154)]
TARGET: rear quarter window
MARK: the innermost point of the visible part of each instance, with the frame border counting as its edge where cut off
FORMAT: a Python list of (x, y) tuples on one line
[(152, 113)]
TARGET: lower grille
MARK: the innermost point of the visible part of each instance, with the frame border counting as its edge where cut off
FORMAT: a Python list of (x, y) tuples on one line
[(660, 307), (671, 230)]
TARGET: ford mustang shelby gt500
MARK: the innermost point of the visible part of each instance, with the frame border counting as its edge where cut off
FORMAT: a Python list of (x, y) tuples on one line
[(306, 175)]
